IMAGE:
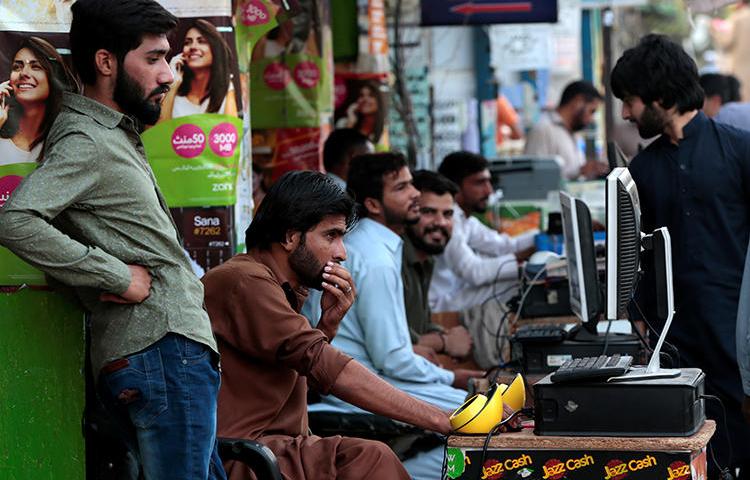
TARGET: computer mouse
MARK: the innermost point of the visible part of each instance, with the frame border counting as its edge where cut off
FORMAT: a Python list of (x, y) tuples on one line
[(543, 257)]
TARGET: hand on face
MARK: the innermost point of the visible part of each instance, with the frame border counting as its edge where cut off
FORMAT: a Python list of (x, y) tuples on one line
[(176, 64), (338, 296), (5, 92)]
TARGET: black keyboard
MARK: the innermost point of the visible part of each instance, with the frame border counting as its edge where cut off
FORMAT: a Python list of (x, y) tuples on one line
[(592, 368), (540, 334)]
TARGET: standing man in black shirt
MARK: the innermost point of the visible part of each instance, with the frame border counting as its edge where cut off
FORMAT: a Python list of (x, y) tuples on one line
[(695, 180)]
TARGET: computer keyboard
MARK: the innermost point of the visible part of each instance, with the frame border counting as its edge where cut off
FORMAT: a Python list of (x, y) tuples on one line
[(592, 368), (540, 334)]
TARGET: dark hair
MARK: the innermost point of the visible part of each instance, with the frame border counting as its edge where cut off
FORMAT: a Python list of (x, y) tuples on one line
[(459, 165), (715, 84), (429, 181), (59, 78), (353, 96), (339, 146), (733, 88), (658, 70), (222, 54), (366, 175), (579, 87), (117, 26), (298, 201)]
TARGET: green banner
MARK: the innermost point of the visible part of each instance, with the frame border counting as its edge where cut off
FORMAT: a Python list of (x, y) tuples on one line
[(13, 270), (42, 389), (195, 159), (289, 91)]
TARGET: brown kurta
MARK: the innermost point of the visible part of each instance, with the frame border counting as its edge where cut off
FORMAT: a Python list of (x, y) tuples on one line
[(268, 350)]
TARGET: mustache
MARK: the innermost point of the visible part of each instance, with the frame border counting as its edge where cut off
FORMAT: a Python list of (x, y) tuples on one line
[(159, 90), (437, 228)]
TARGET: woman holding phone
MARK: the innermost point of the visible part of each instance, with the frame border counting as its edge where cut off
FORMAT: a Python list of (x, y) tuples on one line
[(31, 99), (202, 80)]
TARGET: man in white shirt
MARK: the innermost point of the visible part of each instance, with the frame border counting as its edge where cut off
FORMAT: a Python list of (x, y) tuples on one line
[(555, 133), (478, 271), (478, 263)]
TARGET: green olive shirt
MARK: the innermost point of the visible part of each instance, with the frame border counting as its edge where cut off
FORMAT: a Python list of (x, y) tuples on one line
[(416, 275), (89, 210)]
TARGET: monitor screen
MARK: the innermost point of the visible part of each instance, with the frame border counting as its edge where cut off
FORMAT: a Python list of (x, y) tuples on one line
[(585, 296)]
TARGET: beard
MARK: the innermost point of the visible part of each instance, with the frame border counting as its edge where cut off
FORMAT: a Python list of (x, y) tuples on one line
[(480, 206), (577, 124), (306, 266), (133, 101), (393, 217), (651, 123), (429, 248)]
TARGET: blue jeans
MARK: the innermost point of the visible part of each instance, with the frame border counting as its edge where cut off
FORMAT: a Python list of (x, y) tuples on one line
[(165, 397)]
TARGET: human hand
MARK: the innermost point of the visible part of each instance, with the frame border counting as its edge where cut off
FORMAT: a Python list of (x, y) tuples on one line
[(443, 423), (457, 342), (176, 64), (5, 92), (138, 290), (427, 353), (523, 255), (512, 424), (351, 114), (338, 296), (462, 377), (594, 169), (746, 408)]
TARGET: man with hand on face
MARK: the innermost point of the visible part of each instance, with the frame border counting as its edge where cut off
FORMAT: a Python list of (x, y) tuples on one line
[(423, 240), (695, 180), (375, 331), (92, 217), (555, 133), (270, 352)]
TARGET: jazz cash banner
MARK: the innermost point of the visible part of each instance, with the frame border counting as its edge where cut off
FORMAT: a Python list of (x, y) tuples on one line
[(574, 465)]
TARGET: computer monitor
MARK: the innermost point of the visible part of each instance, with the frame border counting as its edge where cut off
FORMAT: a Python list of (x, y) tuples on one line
[(624, 244), (585, 294)]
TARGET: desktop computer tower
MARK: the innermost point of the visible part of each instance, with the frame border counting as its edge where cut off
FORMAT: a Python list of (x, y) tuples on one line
[(545, 357), (663, 407)]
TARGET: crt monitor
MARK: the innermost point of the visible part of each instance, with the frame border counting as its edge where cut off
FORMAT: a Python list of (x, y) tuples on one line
[(585, 294), (623, 241)]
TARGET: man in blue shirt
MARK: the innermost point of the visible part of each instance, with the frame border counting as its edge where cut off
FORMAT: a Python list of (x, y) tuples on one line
[(695, 180), (375, 331)]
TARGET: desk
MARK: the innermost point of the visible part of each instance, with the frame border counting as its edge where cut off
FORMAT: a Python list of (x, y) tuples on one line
[(525, 456)]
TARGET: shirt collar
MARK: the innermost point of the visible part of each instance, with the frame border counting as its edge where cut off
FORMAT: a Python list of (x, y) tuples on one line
[(381, 232), (296, 298), (101, 113)]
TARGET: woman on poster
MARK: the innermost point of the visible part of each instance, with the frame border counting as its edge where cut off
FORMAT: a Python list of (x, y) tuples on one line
[(31, 99), (202, 79), (365, 111)]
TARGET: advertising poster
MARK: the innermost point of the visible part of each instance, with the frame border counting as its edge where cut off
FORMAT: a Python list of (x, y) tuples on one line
[(34, 68), (280, 150), (361, 102), (573, 465), (13, 270), (290, 65)]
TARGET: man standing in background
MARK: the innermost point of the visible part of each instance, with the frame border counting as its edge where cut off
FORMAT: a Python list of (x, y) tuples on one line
[(555, 133)]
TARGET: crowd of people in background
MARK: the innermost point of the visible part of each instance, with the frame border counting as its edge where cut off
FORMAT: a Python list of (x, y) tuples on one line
[(344, 269)]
